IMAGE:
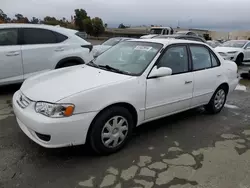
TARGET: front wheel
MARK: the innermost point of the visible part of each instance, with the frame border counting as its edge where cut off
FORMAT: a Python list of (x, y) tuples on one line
[(217, 101), (111, 130), (239, 59)]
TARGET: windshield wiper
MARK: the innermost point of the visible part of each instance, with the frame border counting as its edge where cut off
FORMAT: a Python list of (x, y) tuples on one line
[(92, 64), (107, 67)]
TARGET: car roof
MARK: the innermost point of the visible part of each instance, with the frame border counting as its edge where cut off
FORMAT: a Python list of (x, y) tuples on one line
[(177, 35), (42, 26), (167, 41)]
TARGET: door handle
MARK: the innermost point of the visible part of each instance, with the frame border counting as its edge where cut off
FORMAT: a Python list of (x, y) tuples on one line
[(59, 49), (13, 53), (188, 82), (219, 75)]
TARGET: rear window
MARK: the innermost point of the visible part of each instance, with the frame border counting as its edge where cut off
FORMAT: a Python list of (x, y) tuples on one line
[(82, 35)]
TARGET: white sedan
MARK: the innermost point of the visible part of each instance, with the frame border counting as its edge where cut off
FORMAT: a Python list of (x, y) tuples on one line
[(235, 50), (132, 83)]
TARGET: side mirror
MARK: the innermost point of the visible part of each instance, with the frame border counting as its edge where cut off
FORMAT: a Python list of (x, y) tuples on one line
[(248, 48), (160, 72)]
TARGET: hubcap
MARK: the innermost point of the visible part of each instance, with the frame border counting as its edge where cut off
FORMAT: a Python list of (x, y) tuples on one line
[(219, 99), (114, 131)]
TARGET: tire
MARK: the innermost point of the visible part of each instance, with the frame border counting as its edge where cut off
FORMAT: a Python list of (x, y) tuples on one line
[(239, 59), (68, 64), (216, 103), (105, 130)]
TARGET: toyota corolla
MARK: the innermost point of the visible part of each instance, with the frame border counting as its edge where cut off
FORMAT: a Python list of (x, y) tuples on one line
[(134, 82)]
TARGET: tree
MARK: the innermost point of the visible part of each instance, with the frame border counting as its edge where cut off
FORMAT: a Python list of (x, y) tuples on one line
[(87, 25), (4, 18), (21, 19), (50, 20), (19, 16), (121, 26), (80, 15), (98, 27), (34, 20)]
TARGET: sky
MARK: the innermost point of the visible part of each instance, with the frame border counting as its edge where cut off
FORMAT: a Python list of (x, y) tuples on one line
[(204, 14)]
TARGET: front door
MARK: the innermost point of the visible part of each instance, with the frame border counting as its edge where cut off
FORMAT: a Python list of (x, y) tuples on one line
[(11, 70), (170, 94), (207, 74)]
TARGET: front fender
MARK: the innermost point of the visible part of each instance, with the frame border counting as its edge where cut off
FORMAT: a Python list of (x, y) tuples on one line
[(131, 91)]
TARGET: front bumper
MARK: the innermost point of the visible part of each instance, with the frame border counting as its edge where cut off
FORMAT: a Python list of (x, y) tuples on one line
[(61, 132)]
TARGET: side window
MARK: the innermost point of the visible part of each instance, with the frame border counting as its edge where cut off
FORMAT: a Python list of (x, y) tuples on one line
[(194, 39), (176, 58), (60, 37), (247, 46), (8, 37), (201, 57), (215, 62), (191, 33), (38, 36)]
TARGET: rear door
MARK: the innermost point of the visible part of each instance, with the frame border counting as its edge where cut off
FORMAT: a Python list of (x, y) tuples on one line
[(39, 50), (11, 70), (207, 73)]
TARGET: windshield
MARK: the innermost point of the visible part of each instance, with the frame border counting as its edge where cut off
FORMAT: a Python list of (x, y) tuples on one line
[(155, 31), (131, 57), (235, 44), (112, 41)]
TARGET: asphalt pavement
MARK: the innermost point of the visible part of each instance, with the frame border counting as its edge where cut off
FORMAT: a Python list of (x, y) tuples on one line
[(192, 149)]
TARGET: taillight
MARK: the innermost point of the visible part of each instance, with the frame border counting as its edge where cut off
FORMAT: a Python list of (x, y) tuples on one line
[(89, 46)]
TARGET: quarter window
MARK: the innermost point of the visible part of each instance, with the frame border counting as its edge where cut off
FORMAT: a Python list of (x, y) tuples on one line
[(8, 37), (215, 62), (60, 37), (176, 58), (38, 36), (201, 57)]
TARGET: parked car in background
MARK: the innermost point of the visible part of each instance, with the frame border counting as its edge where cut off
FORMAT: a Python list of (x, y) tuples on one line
[(213, 43), (184, 37), (134, 82), (155, 31), (235, 50), (98, 49), (28, 49), (186, 33)]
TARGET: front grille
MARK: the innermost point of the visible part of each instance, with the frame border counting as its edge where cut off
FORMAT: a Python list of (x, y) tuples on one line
[(23, 101)]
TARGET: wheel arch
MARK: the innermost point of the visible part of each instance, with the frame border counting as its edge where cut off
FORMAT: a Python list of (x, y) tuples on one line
[(224, 85), (69, 59), (126, 105)]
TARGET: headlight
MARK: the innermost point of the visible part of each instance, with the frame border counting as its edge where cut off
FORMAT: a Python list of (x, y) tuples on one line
[(222, 53), (54, 110), (232, 52)]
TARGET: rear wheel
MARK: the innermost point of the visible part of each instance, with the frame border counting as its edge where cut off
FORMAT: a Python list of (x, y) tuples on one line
[(217, 101), (239, 59), (111, 130)]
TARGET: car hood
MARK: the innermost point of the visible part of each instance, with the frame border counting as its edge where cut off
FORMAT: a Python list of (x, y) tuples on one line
[(98, 49), (55, 85), (148, 36), (226, 49)]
